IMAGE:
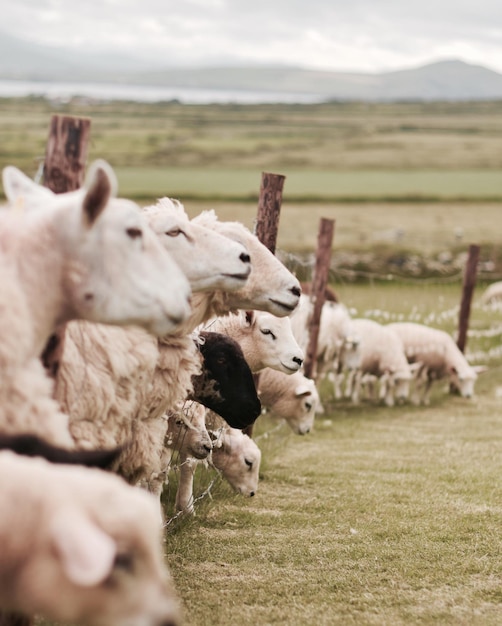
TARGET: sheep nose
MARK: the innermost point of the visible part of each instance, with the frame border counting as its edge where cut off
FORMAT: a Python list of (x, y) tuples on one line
[(207, 448), (251, 494), (245, 258), (297, 359), (296, 291), (170, 622)]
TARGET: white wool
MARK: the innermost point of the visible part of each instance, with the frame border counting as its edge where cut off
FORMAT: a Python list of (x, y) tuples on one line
[(293, 398), (438, 356), (62, 528), (266, 340), (382, 356)]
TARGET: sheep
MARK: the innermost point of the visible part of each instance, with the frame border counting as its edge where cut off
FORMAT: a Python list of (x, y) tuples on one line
[(492, 294), (235, 455), (238, 458), (437, 356), (293, 398), (187, 434), (83, 254), (115, 384), (382, 356), (80, 546), (266, 340), (226, 384), (271, 287), (338, 345), (86, 255)]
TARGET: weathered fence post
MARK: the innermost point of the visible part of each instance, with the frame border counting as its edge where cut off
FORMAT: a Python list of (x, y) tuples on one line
[(66, 153), (318, 291), (470, 272), (267, 225), (64, 170), (269, 209)]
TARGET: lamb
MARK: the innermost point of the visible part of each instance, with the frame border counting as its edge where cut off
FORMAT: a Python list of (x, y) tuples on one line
[(80, 546), (266, 340), (293, 398), (437, 356), (61, 258), (382, 356)]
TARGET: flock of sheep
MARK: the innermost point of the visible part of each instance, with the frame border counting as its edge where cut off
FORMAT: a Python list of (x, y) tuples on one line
[(168, 324)]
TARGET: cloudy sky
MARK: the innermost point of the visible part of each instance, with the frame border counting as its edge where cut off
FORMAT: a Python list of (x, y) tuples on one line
[(360, 35)]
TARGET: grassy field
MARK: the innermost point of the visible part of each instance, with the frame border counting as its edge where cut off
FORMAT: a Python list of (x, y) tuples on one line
[(380, 516)]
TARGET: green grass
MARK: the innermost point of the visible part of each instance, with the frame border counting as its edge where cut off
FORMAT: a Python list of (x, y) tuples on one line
[(308, 185), (380, 516)]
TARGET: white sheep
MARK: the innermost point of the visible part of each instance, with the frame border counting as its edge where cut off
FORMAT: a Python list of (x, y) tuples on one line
[(266, 340), (81, 546), (438, 357), (84, 254), (382, 356), (117, 388), (338, 349), (271, 287), (293, 398), (235, 455), (87, 255)]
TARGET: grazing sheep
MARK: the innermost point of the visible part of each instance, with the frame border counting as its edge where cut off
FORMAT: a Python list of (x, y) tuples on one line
[(382, 356), (293, 398), (234, 454), (238, 458), (81, 546), (438, 357), (492, 294), (338, 345), (266, 340)]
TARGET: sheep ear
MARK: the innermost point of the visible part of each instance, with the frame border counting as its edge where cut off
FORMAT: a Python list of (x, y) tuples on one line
[(17, 186), (480, 369), (250, 318), (302, 390), (86, 553), (100, 186)]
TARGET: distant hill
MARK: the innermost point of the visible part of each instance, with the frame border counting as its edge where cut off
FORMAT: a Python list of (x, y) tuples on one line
[(443, 80)]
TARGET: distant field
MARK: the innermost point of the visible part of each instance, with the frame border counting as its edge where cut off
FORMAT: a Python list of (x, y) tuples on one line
[(328, 152), (309, 185)]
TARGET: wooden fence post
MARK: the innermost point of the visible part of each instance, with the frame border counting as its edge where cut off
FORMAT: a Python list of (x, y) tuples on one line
[(64, 170), (469, 283), (269, 209), (267, 226), (318, 292)]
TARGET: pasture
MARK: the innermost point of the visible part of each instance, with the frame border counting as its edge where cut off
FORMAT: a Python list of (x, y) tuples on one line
[(380, 515)]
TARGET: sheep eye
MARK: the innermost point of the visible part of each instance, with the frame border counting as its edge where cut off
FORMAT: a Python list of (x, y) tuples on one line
[(266, 331), (124, 562), (248, 463), (179, 422), (308, 406), (174, 232), (134, 233)]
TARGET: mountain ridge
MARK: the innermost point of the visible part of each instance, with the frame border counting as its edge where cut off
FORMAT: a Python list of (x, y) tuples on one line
[(450, 79)]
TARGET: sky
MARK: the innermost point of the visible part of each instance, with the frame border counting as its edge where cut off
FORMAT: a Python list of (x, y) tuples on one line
[(338, 35)]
